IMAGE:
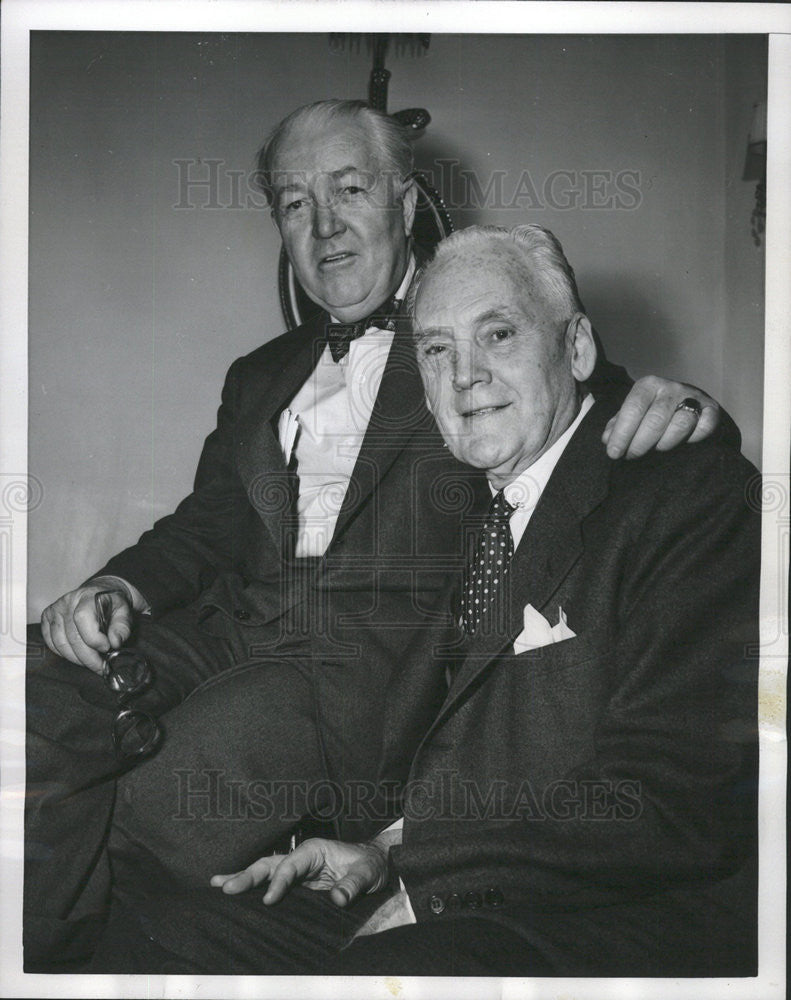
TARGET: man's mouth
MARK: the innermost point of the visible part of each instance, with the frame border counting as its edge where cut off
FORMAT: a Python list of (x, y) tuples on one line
[(483, 411), (335, 258)]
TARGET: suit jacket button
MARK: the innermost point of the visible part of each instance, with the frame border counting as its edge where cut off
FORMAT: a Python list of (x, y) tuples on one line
[(493, 897), (454, 901), (472, 900), (437, 904), (241, 616)]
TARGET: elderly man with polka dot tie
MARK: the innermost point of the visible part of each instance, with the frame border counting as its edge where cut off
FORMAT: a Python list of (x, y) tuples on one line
[(582, 801)]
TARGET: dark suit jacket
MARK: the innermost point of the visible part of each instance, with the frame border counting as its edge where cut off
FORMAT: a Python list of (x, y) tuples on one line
[(598, 794), (351, 612)]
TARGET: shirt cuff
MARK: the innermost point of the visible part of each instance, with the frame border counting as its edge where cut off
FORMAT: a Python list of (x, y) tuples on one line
[(408, 901), (399, 825)]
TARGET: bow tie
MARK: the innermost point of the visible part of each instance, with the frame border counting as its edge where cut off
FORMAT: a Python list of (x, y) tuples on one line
[(340, 335)]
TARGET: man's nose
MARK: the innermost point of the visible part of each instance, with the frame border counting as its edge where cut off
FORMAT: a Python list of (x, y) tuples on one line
[(469, 367), (326, 221)]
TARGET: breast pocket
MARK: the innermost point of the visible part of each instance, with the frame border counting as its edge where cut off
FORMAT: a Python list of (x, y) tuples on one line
[(568, 654)]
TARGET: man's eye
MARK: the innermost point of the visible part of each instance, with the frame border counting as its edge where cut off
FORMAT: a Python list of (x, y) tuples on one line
[(434, 349), (293, 206), (352, 189), (501, 334)]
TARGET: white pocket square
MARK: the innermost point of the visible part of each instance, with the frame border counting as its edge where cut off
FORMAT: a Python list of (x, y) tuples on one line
[(538, 632)]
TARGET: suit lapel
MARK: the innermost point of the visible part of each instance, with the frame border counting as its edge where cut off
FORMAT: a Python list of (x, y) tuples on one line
[(258, 452), (399, 411)]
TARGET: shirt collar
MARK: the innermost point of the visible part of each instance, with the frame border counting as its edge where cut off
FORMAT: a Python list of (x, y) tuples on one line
[(528, 486)]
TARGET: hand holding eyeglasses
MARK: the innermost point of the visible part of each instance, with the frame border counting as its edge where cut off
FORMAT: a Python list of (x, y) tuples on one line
[(70, 628), (126, 671)]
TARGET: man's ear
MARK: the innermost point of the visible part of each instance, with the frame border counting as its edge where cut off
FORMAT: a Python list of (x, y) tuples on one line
[(408, 206), (582, 347)]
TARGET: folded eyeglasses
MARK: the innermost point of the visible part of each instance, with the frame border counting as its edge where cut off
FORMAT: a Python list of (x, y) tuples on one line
[(126, 671)]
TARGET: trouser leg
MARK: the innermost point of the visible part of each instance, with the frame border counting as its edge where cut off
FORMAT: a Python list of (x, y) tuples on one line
[(71, 771), (240, 766), (462, 947), (158, 926)]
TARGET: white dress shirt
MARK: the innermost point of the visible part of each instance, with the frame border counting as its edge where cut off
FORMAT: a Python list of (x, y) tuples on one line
[(324, 426)]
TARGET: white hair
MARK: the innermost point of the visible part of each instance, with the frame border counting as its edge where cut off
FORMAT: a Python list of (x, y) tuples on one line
[(538, 251), (389, 138)]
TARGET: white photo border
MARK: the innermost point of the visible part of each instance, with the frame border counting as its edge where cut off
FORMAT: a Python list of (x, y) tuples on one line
[(18, 19)]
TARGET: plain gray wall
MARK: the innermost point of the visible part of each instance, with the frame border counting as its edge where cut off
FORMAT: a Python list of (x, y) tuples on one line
[(138, 306)]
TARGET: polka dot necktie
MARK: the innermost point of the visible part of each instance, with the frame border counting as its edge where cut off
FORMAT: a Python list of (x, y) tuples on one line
[(487, 568)]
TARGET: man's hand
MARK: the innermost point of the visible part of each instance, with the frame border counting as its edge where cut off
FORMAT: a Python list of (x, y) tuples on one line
[(70, 627), (347, 870), (649, 418)]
